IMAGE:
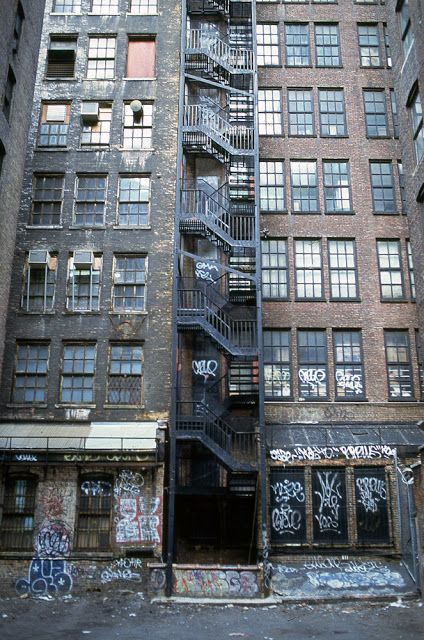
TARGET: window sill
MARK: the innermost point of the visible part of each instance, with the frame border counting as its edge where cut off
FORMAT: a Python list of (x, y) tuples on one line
[(385, 137), (145, 227), (124, 406), (302, 135), (64, 405), (271, 135), (81, 313), (270, 66), (310, 299), (141, 78), (394, 300), (299, 66), (279, 399), (340, 213), (402, 400), (350, 400), (75, 227), (363, 66), (56, 148), (28, 405), (305, 213), (386, 213), (150, 149), (94, 147), (347, 300), (23, 312), (44, 226), (329, 66), (60, 79), (99, 80), (274, 212), (328, 135), (145, 15)]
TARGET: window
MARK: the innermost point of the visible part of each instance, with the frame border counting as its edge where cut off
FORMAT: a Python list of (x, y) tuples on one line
[(287, 505), (138, 127), (277, 368), (420, 361), (272, 196), (390, 269), (129, 280), (402, 186), (308, 267), (66, 6), (141, 58), (312, 362), (83, 287), (8, 93), (348, 366), (90, 199), (39, 282), (416, 111), (18, 26), (369, 46), (274, 269), (382, 187), (327, 45), (269, 112), (134, 201), (96, 119), (125, 380), (387, 45), (31, 369), (337, 186), (105, 7), (304, 186), (343, 269), (372, 518), (17, 523), (375, 113), (268, 45), (54, 125), (297, 45), (411, 269), (94, 513), (300, 112), (101, 58), (78, 366), (405, 26), (61, 57), (144, 7), (398, 360), (47, 200), (332, 112), (395, 117)]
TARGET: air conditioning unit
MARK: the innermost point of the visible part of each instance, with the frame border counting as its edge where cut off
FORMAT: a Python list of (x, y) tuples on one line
[(38, 257), (90, 111), (83, 259)]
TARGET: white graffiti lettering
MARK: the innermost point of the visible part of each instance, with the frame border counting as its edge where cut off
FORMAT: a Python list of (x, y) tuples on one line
[(312, 377), (286, 519), (25, 457), (350, 452), (122, 569), (329, 497), (204, 271), (204, 368), (128, 483), (371, 491), (288, 489), (349, 381), (96, 488)]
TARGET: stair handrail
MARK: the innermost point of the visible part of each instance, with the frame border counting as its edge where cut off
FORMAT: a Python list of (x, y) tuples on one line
[(200, 116), (237, 58)]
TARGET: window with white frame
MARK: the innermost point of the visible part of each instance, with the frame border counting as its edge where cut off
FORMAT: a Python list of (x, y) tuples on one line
[(304, 186), (138, 127), (78, 368), (308, 269), (327, 45), (39, 281), (274, 269), (66, 6), (300, 109), (101, 57), (47, 198), (83, 286), (343, 269), (96, 129), (390, 269), (143, 7), (332, 112), (31, 370), (129, 283), (297, 45), (268, 45), (269, 112), (337, 186), (134, 201), (271, 186), (104, 7), (90, 200)]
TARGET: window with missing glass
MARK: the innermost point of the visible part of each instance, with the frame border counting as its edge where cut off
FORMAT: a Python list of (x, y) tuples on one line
[(78, 368), (383, 194), (83, 285), (90, 200), (369, 45), (343, 269), (375, 113), (270, 112), (268, 45), (304, 186), (348, 365), (398, 361), (31, 371), (416, 113), (134, 201), (101, 57), (390, 270), (129, 283), (54, 124), (297, 45), (332, 112), (47, 198), (274, 269), (337, 193), (18, 508), (312, 364), (138, 127), (300, 112), (94, 523), (308, 269), (39, 281), (277, 364), (327, 45), (271, 186), (125, 376), (411, 270), (406, 34)]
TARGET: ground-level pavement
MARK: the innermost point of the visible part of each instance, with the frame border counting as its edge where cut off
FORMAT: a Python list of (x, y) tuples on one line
[(127, 616)]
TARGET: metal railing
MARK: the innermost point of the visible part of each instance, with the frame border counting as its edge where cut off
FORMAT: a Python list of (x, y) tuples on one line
[(232, 138), (234, 59)]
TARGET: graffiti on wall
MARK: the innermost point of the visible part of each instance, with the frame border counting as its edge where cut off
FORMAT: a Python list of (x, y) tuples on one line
[(287, 506), (128, 484), (204, 368), (215, 582), (46, 577), (329, 504), (96, 488), (122, 569), (138, 519), (349, 452)]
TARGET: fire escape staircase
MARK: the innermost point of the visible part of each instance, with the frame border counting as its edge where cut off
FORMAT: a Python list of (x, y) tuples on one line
[(235, 449), (208, 7), (232, 327)]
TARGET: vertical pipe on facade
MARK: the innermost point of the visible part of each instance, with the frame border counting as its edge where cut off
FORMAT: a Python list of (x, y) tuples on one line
[(172, 460)]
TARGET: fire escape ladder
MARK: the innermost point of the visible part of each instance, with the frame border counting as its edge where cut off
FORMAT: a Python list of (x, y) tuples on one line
[(210, 56)]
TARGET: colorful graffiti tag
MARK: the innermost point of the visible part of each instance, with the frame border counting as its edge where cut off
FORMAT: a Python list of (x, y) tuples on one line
[(215, 582)]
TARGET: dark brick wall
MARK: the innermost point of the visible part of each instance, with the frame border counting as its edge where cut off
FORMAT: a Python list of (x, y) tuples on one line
[(152, 328), (13, 132)]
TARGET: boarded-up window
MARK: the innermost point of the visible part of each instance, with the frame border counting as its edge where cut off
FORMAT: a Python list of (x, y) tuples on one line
[(141, 58)]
